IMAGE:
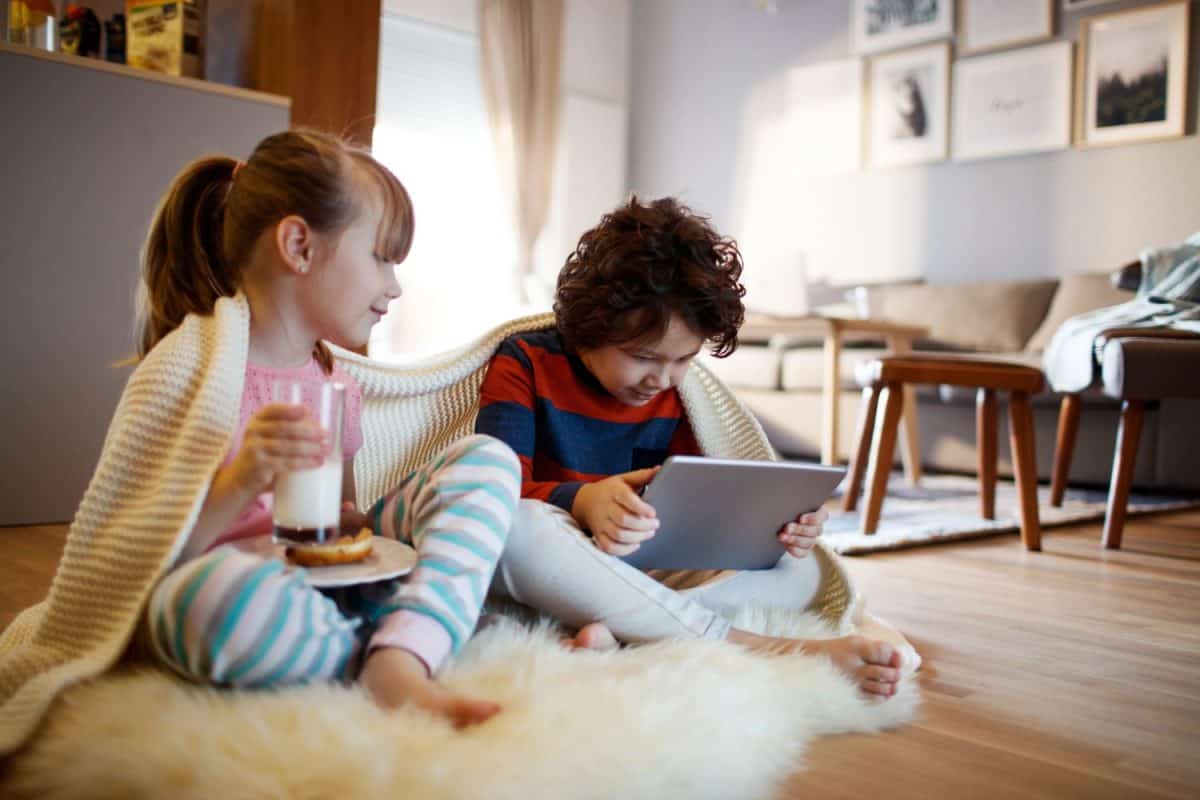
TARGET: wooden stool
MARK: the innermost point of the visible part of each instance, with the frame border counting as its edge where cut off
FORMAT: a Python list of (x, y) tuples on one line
[(888, 376)]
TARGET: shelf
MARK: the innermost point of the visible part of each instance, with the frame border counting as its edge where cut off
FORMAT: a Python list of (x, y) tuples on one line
[(194, 84)]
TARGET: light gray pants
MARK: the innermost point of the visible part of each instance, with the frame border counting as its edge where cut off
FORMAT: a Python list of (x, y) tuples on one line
[(551, 565)]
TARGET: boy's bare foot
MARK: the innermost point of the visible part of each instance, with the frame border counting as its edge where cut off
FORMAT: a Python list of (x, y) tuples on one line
[(872, 664), (595, 636), (393, 677)]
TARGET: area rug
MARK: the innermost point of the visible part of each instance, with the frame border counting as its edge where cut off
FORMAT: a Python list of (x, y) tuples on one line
[(946, 507), (692, 719)]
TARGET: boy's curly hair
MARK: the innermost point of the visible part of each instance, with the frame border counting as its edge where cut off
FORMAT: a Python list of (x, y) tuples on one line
[(640, 264)]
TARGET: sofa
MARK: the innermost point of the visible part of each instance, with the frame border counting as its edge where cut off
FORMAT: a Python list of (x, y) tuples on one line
[(780, 380)]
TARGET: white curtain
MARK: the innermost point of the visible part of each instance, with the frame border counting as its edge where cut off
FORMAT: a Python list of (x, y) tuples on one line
[(521, 56)]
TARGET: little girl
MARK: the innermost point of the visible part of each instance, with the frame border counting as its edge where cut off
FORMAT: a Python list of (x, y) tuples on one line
[(292, 248)]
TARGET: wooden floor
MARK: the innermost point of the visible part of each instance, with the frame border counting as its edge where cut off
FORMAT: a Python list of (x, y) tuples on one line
[(1072, 672)]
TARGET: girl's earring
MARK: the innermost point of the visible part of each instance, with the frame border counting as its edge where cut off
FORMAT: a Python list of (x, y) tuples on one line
[(304, 269)]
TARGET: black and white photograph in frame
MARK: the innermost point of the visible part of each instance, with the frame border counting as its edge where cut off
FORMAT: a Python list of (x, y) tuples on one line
[(1017, 101), (1134, 73), (908, 98), (991, 24), (891, 24)]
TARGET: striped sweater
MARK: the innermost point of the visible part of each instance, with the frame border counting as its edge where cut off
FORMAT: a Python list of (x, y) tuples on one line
[(567, 430)]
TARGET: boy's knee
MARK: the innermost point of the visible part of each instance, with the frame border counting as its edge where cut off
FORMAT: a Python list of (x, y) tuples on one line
[(534, 521)]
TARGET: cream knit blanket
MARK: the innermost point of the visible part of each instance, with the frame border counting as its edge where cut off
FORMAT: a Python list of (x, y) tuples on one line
[(170, 432)]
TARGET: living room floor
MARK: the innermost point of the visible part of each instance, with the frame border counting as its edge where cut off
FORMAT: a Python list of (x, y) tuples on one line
[(1066, 673)]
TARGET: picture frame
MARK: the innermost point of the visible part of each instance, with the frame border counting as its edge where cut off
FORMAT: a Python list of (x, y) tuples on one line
[(1013, 102), (880, 25), (1133, 75), (908, 98), (987, 25)]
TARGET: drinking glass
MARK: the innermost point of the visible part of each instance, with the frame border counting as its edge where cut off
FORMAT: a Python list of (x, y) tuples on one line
[(308, 502)]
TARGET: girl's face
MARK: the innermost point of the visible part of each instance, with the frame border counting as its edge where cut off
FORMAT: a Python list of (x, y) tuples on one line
[(350, 286), (635, 372)]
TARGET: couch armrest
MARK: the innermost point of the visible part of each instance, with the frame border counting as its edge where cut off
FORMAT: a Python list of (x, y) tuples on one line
[(1128, 277)]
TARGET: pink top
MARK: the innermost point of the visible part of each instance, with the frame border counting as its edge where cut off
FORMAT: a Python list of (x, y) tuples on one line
[(256, 519)]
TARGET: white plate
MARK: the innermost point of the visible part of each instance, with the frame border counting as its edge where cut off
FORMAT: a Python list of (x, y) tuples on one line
[(388, 559)]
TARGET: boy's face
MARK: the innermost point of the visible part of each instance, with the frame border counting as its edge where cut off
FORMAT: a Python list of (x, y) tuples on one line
[(635, 372)]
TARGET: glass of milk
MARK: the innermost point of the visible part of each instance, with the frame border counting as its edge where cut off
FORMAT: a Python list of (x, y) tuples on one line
[(308, 502)]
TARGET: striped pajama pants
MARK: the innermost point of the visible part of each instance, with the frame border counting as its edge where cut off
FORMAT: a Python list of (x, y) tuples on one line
[(236, 619)]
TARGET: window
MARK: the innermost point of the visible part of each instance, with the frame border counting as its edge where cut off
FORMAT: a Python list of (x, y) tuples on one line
[(432, 131)]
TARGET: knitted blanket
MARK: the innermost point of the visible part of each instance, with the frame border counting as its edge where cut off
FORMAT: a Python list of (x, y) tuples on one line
[(169, 434)]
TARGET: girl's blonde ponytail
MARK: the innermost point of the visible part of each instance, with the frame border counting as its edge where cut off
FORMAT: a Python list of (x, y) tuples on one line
[(184, 269)]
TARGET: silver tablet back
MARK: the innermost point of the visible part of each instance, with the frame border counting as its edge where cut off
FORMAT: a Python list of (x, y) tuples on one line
[(725, 514)]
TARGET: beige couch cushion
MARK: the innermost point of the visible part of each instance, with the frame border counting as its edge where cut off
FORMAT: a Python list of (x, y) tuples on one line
[(804, 367), (992, 316), (749, 367), (1077, 294)]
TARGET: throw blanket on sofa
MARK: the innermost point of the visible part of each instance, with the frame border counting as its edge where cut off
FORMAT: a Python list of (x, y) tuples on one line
[(170, 432), (1168, 298)]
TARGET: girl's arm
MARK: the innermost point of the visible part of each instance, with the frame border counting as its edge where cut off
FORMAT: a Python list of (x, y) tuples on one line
[(277, 439), (225, 502)]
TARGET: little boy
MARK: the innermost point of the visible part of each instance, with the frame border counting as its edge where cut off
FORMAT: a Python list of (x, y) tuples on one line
[(591, 408)]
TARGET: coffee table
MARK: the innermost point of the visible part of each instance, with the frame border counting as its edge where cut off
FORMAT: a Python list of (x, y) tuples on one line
[(834, 332)]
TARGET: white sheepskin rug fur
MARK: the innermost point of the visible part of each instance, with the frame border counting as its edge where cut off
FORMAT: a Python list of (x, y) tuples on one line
[(692, 719)]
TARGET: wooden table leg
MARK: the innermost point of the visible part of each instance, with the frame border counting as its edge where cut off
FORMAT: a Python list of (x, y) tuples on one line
[(1021, 438), (1128, 434), (862, 452), (985, 446), (883, 448), (830, 392), (910, 438), (1064, 447)]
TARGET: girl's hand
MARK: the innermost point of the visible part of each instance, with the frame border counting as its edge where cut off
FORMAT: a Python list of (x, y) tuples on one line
[(279, 438), (800, 536), (353, 520), (619, 519)]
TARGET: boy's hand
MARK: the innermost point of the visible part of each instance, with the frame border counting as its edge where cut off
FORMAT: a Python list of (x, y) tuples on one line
[(279, 438), (800, 536), (619, 519)]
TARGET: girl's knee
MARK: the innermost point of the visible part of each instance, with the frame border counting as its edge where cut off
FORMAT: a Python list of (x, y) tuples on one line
[(487, 450)]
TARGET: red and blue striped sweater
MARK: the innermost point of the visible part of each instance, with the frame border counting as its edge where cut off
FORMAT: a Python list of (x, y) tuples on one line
[(541, 400)]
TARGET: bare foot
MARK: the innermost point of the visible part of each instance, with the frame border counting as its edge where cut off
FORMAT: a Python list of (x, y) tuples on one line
[(595, 636), (393, 677), (872, 664)]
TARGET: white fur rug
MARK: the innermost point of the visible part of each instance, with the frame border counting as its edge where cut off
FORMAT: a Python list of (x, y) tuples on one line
[(676, 719)]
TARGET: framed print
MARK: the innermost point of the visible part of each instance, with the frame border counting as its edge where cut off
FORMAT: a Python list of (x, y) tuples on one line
[(889, 24), (908, 94), (1014, 102), (1133, 75), (824, 117), (991, 24)]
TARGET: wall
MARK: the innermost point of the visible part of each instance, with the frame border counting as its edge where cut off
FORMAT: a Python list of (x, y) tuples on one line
[(708, 75), (97, 148)]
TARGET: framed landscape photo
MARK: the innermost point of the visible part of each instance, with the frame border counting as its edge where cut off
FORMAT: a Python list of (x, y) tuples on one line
[(1133, 75), (990, 24), (890, 24), (908, 106), (1018, 101)]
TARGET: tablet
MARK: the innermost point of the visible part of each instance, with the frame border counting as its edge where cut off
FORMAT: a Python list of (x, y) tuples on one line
[(725, 514)]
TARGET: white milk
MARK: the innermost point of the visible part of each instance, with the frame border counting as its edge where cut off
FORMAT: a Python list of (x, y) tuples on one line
[(310, 498)]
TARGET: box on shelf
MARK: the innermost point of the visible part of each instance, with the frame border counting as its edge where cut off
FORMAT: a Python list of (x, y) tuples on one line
[(166, 37)]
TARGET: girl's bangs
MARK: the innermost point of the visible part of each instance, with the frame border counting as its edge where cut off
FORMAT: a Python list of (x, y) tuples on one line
[(395, 235)]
